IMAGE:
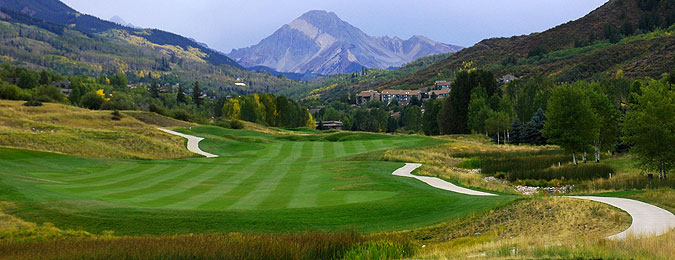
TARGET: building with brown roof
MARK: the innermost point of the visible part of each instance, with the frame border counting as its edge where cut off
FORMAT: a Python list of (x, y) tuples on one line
[(440, 93), (442, 84), (367, 96)]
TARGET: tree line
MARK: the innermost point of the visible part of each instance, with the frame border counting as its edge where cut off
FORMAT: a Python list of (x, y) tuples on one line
[(581, 117), (111, 92)]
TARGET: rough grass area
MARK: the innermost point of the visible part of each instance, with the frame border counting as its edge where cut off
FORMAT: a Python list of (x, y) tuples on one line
[(545, 165), (546, 220), (69, 130), (521, 165), (444, 160), (310, 246), (157, 119), (24, 240), (627, 176), (551, 218), (17, 230)]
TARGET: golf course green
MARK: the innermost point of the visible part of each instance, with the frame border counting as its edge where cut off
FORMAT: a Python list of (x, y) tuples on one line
[(259, 183)]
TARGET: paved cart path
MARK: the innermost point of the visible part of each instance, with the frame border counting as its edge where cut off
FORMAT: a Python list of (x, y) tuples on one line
[(193, 143), (648, 220)]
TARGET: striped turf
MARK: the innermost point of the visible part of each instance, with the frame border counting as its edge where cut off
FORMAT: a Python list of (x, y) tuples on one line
[(266, 173)]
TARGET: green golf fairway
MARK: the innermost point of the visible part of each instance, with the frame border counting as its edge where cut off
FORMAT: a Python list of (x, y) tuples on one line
[(260, 183)]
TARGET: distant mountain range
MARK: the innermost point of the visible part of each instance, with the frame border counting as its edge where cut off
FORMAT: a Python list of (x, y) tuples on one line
[(118, 20), (319, 42)]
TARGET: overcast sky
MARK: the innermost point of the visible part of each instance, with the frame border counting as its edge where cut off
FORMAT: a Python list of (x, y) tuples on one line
[(227, 24)]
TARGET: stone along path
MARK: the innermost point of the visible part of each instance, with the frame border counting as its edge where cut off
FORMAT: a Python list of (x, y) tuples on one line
[(193, 143), (648, 220)]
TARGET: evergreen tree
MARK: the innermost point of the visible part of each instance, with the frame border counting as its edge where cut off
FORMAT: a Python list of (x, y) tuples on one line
[(411, 118), (516, 131), (531, 133), (180, 97), (392, 125), (627, 29), (197, 94), (75, 95), (456, 106), (430, 118), (444, 118), (44, 78), (154, 89)]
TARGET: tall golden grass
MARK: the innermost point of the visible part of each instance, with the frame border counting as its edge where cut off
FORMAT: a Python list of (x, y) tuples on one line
[(523, 228), (70, 130), (443, 161)]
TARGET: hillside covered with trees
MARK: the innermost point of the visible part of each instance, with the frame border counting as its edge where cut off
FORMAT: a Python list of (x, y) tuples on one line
[(50, 35), (632, 35)]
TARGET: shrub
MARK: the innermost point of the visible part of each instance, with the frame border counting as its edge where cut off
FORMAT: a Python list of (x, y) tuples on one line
[(10, 92), (119, 101), (567, 172), (48, 94), (159, 109), (33, 104), (117, 116), (533, 166), (91, 100), (236, 124)]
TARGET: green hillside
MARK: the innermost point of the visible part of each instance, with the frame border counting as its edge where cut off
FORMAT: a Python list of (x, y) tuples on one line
[(71, 43), (622, 34)]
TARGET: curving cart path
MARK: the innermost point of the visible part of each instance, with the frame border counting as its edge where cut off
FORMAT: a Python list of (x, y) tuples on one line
[(193, 143), (648, 220)]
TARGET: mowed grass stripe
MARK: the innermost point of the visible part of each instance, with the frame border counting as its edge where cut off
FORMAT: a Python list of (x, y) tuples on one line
[(149, 179), (350, 148), (112, 172), (328, 150), (98, 172), (154, 172), (369, 145), (305, 194), (190, 187), (318, 153), (340, 150), (207, 197), (360, 147), (243, 196), (281, 190), (163, 183)]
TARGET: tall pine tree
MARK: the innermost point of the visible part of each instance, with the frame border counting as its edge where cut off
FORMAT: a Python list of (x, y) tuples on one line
[(154, 89), (531, 133), (516, 131), (180, 97), (197, 94)]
